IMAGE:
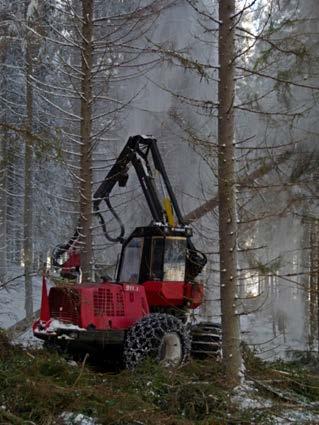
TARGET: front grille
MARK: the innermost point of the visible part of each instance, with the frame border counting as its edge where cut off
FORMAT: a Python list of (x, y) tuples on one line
[(120, 304), (65, 305), (103, 302), (107, 303)]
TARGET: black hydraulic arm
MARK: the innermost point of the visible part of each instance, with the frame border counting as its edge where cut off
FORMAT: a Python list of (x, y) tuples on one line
[(136, 152), (59, 250), (195, 256)]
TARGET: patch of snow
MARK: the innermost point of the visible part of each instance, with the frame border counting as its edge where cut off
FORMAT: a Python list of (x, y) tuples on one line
[(27, 339), (289, 416), (246, 396), (57, 324), (32, 8), (70, 418)]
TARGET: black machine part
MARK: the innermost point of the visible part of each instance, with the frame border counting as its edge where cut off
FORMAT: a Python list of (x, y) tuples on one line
[(206, 339), (160, 336), (156, 252), (61, 249), (136, 153)]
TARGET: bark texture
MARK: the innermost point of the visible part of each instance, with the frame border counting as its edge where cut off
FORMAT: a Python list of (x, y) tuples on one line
[(3, 208), (226, 194), (305, 278), (3, 185), (314, 284), (28, 168), (86, 141)]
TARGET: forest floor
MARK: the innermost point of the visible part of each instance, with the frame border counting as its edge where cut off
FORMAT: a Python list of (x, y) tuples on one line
[(43, 388)]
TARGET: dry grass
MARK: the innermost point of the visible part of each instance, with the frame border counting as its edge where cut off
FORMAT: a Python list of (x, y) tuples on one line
[(38, 386)]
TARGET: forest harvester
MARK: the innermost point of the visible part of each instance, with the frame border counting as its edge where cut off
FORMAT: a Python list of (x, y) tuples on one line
[(144, 312)]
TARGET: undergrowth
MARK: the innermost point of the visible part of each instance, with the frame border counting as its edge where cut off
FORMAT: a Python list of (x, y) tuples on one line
[(38, 386), (295, 375)]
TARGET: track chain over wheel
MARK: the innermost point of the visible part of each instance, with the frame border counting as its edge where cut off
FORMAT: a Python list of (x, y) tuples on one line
[(206, 339), (160, 336)]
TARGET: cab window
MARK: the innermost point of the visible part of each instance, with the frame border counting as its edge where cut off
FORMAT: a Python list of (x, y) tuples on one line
[(131, 262), (174, 259)]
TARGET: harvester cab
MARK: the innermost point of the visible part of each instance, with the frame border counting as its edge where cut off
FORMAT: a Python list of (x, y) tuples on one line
[(142, 313)]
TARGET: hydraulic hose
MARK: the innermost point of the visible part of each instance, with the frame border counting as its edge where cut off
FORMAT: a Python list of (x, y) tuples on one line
[(119, 238), (60, 249), (195, 262)]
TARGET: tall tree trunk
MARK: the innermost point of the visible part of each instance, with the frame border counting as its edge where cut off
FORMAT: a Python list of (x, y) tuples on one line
[(226, 194), (316, 273), (28, 172), (3, 187), (86, 141), (273, 300), (3, 208), (313, 313), (314, 284), (305, 278)]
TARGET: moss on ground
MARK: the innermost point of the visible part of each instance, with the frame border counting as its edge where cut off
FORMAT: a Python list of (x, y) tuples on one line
[(38, 386)]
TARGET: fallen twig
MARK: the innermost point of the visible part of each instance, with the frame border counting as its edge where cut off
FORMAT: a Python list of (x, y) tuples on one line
[(284, 395), (13, 419), (81, 371)]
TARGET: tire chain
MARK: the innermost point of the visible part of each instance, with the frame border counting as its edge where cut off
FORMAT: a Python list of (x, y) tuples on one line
[(206, 339), (145, 337)]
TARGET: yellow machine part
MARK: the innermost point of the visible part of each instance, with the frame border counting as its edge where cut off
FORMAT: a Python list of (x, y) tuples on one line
[(169, 211)]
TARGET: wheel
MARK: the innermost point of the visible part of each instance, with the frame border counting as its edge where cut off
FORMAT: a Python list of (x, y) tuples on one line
[(206, 339), (159, 336)]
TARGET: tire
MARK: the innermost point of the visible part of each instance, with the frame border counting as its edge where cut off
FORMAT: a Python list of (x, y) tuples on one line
[(206, 340), (159, 336)]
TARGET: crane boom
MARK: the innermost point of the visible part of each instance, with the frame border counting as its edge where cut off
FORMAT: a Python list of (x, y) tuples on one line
[(136, 152)]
